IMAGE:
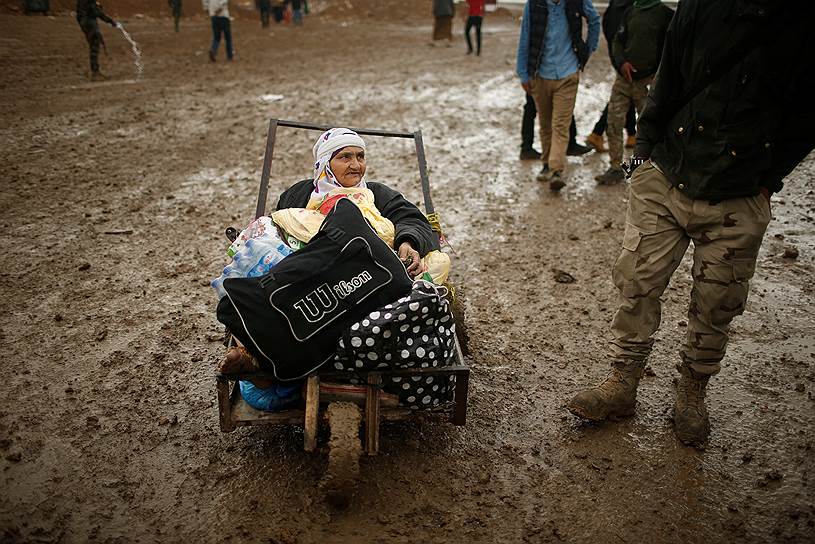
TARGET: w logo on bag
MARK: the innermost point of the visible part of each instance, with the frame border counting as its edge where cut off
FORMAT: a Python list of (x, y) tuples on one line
[(315, 305)]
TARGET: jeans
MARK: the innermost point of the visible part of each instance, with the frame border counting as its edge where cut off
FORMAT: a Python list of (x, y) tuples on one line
[(298, 17), (221, 25), (473, 21)]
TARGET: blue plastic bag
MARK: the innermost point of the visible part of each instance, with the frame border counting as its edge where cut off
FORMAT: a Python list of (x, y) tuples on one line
[(276, 397)]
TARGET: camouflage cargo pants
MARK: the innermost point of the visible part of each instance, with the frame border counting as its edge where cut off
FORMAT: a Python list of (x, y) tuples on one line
[(660, 224), (623, 94)]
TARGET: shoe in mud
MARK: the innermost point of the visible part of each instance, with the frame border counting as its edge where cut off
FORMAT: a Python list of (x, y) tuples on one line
[(691, 423), (610, 177), (575, 149), (596, 141), (544, 174), (98, 76), (211, 55), (556, 181), (615, 397), (530, 154)]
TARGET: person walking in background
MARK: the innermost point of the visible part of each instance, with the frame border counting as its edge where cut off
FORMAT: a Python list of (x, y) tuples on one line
[(726, 119), (87, 11), (175, 8), (475, 16), (264, 6), (612, 18), (551, 53), (219, 17), (297, 12), (636, 49), (443, 11), (277, 10)]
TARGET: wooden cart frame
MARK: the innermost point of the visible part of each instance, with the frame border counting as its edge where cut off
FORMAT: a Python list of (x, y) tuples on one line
[(235, 412)]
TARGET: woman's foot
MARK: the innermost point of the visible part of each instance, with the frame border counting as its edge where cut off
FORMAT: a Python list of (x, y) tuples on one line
[(238, 360)]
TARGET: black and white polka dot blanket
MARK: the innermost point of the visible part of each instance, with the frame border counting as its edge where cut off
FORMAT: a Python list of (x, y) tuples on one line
[(416, 331)]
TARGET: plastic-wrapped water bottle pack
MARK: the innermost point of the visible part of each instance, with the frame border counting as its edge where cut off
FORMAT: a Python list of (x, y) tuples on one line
[(260, 251)]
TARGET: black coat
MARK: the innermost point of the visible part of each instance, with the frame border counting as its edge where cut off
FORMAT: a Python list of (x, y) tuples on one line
[(612, 19), (410, 223), (730, 110)]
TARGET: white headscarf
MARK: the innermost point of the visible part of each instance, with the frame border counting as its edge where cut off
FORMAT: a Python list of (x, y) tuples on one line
[(326, 145)]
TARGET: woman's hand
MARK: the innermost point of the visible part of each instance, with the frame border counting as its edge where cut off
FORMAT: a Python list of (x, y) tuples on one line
[(411, 258)]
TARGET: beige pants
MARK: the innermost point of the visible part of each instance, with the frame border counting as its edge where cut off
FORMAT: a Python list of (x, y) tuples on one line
[(660, 224), (554, 99), (622, 94)]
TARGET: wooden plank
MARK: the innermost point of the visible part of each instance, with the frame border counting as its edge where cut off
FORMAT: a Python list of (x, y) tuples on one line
[(312, 408), (224, 405), (244, 415), (356, 394), (372, 414)]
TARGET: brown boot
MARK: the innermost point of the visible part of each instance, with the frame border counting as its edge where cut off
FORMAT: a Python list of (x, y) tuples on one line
[(615, 397), (596, 141), (691, 423)]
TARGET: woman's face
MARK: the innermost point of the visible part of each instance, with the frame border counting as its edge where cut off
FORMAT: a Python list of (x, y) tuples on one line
[(348, 165)]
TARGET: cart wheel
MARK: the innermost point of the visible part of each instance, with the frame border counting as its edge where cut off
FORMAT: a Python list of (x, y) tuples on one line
[(340, 481), (457, 306)]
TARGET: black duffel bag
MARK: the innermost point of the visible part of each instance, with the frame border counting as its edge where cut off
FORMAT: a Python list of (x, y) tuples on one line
[(292, 317)]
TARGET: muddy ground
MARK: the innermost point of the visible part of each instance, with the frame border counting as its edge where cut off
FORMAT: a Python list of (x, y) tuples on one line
[(113, 203)]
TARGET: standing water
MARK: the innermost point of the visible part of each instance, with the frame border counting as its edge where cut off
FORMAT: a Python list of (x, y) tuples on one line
[(136, 51)]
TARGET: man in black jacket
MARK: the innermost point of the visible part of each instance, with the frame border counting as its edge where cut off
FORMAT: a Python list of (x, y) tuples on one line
[(87, 11), (727, 118)]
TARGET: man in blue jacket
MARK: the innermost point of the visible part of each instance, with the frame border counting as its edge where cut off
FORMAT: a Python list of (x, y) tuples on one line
[(551, 53)]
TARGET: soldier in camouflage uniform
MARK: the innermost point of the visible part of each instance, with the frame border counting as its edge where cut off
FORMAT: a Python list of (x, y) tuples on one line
[(713, 142), (635, 52), (87, 11)]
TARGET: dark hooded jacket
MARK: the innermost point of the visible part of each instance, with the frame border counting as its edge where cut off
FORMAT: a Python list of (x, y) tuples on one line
[(730, 109)]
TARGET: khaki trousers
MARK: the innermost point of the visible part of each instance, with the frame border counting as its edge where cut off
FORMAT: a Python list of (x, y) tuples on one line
[(623, 93), (554, 99), (660, 224)]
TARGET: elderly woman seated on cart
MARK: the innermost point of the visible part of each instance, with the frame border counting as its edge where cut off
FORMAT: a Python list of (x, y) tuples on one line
[(339, 170)]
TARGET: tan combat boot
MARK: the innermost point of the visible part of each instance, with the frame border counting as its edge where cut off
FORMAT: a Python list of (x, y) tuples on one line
[(691, 423), (615, 397)]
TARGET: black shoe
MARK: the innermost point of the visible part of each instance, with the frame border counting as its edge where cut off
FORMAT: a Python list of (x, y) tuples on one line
[(610, 177), (575, 149), (530, 154), (556, 182), (544, 174), (211, 55)]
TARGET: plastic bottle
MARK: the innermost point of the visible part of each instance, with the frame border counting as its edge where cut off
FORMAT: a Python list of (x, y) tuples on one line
[(230, 271)]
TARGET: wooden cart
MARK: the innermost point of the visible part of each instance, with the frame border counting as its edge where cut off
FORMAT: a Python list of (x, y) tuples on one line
[(366, 403)]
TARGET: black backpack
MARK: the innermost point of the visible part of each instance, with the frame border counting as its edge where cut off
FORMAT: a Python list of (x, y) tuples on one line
[(292, 317)]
